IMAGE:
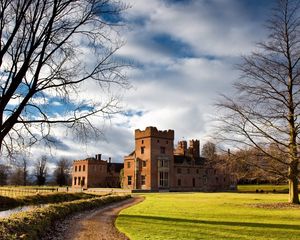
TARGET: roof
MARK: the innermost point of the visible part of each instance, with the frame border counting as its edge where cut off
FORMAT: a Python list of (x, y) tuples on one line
[(181, 159)]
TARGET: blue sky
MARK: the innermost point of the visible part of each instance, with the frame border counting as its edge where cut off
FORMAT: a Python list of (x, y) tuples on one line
[(183, 55)]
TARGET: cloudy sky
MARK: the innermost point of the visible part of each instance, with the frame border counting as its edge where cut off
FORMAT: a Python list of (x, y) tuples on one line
[(182, 55)]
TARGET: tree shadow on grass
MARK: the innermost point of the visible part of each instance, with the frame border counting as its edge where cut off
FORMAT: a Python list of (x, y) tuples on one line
[(212, 222)]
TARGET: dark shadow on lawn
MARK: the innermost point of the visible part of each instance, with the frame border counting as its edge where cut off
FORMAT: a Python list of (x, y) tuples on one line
[(211, 222)]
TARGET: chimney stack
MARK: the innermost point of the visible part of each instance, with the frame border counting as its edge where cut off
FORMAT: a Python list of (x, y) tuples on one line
[(109, 159)]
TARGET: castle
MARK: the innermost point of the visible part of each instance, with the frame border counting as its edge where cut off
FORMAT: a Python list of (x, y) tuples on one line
[(154, 165)]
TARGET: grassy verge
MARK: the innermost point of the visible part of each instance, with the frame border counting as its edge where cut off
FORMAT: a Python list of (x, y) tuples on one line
[(31, 224), (260, 188), (7, 202), (211, 216)]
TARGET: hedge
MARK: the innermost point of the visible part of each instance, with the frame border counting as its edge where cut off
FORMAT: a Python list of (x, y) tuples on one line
[(32, 224), (7, 202)]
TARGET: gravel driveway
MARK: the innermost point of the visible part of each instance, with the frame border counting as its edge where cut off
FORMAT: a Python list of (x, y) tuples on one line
[(92, 225)]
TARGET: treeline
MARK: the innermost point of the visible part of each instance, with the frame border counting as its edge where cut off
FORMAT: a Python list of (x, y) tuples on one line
[(248, 166), (20, 173)]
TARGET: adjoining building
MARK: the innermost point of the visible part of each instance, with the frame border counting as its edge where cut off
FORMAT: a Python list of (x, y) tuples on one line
[(95, 172), (155, 165)]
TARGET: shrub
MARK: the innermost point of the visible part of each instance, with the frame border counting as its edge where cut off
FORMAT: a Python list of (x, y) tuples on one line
[(31, 224), (7, 202)]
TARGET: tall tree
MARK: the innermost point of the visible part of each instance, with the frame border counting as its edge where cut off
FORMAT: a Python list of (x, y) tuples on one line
[(19, 172), (265, 109), (4, 172), (209, 151), (62, 172), (48, 49), (41, 170)]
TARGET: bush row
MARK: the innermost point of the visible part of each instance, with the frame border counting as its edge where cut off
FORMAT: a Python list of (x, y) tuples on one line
[(32, 224), (7, 202)]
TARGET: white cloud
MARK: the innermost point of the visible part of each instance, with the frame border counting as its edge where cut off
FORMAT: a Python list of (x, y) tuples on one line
[(172, 91)]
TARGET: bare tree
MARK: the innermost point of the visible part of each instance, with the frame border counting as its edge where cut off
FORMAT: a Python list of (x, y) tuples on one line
[(62, 172), (266, 107), (41, 170), (48, 49), (4, 172), (209, 151), (249, 166), (19, 172)]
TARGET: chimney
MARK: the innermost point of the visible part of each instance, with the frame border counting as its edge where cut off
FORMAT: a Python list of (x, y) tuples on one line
[(109, 159), (98, 156)]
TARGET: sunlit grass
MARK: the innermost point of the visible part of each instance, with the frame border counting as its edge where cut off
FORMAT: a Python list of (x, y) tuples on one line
[(210, 216), (263, 187)]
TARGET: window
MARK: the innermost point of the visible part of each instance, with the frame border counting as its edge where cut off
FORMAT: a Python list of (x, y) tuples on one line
[(178, 170), (157, 141), (75, 168), (128, 165), (194, 182), (79, 180), (79, 169), (179, 182), (215, 172), (83, 168), (217, 179), (188, 170), (144, 163), (142, 150), (167, 142), (162, 150), (75, 180), (163, 163), (197, 171), (142, 141), (129, 180), (143, 179), (163, 179), (83, 181)]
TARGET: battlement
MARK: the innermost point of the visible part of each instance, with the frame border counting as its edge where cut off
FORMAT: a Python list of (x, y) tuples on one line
[(194, 143), (153, 132), (89, 161), (192, 150), (93, 160), (181, 148)]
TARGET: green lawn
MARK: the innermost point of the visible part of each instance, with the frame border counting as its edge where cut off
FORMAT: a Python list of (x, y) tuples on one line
[(284, 188), (210, 216)]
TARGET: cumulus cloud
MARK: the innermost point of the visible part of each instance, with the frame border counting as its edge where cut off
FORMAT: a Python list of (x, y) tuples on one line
[(183, 55)]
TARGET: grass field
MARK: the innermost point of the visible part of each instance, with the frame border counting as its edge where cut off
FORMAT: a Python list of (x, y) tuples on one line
[(211, 216), (264, 187)]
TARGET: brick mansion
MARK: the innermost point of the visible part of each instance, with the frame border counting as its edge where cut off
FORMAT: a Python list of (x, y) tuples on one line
[(153, 165)]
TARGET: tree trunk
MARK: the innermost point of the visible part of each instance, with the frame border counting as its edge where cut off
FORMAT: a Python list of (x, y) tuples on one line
[(293, 185)]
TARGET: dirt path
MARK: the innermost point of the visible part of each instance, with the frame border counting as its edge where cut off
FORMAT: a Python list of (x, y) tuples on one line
[(94, 225)]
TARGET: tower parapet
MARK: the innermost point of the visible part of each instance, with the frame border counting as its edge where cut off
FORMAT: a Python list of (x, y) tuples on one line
[(181, 148), (194, 148), (153, 132)]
